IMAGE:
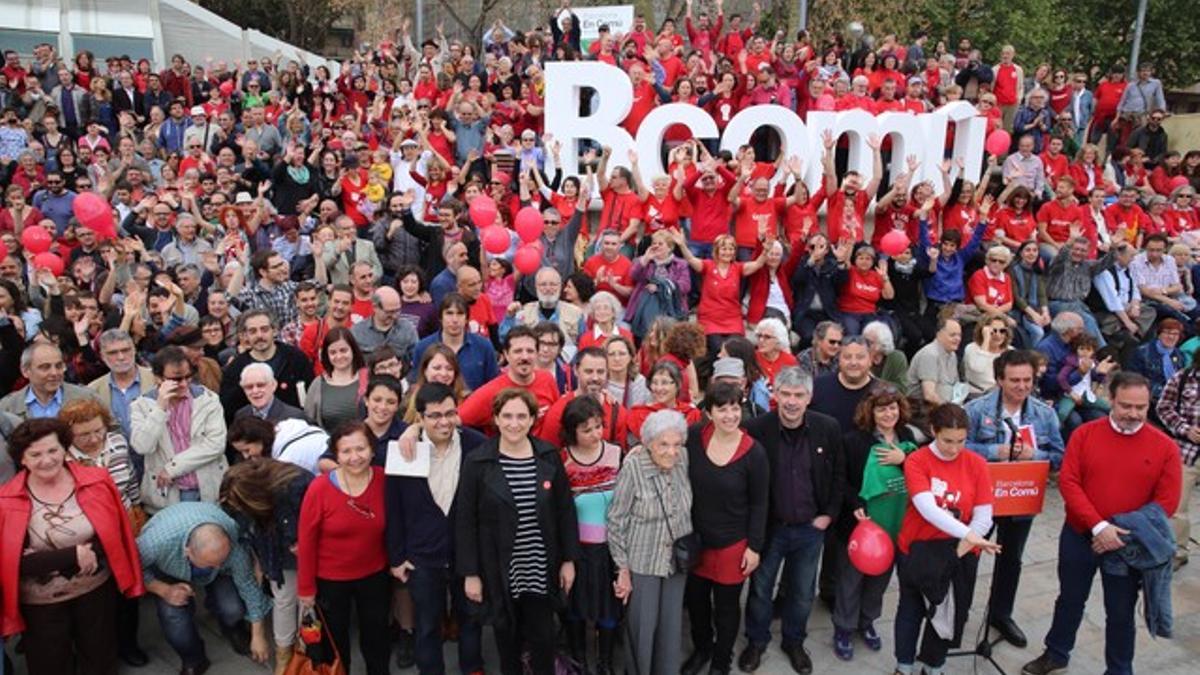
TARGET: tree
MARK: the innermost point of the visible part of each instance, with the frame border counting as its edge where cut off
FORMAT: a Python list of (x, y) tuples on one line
[(303, 23)]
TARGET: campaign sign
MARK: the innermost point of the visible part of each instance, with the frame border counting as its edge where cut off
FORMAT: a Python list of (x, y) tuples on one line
[(1018, 488), (618, 18)]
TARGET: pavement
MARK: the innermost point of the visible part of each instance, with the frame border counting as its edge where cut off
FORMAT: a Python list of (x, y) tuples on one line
[(1034, 611)]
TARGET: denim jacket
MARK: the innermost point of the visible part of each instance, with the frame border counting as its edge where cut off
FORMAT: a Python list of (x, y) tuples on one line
[(988, 435), (1148, 548)]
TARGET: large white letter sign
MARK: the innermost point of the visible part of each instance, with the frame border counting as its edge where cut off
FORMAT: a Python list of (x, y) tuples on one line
[(969, 132), (654, 125), (614, 95), (789, 126)]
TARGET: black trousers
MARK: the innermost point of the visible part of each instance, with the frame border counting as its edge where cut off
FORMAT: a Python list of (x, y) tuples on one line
[(371, 598), (711, 605), (532, 628), (1011, 533), (72, 636)]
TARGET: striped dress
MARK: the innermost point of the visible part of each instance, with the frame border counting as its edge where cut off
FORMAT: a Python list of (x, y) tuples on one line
[(527, 570)]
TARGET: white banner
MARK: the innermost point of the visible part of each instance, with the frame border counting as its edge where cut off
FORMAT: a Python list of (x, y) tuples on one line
[(618, 18)]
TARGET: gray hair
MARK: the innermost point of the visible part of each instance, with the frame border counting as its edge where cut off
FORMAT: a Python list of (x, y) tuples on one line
[(112, 336), (257, 368), (881, 334), (605, 296), (1066, 321), (776, 328), (794, 376), (189, 267), (208, 537), (823, 328), (27, 355), (661, 422)]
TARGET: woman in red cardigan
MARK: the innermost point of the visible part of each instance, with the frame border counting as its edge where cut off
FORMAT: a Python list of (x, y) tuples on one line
[(66, 551), (771, 286), (343, 512)]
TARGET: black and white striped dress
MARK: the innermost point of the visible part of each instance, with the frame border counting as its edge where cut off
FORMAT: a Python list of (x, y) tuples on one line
[(527, 569)]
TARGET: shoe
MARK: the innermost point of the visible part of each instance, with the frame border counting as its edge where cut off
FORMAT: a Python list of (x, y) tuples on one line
[(842, 647), (696, 662), (869, 636), (1010, 631), (198, 669), (133, 657), (1043, 665), (1178, 563), (238, 637), (405, 654), (751, 658), (577, 644), (801, 661), (605, 640)]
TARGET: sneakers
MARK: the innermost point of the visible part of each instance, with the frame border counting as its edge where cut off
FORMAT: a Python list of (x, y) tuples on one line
[(869, 636), (1043, 665), (842, 647)]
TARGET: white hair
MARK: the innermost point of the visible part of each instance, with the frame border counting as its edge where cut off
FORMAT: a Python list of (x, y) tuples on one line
[(776, 328), (256, 369), (661, 422), (605, 296), (881, 334)]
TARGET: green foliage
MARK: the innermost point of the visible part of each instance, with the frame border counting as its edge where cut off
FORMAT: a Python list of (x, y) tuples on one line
[(300, 22), (1073, 34)]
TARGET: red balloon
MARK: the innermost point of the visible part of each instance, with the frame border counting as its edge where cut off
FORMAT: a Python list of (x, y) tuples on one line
[(1178, 182), (226, 88), (495, 239), (998, 142), (93, 212), (528, 259), (36, 240), (49, 261), (483, 211), (871, 549), (529, 224), (894, 243)]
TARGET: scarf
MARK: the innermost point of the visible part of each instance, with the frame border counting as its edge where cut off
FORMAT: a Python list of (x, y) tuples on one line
[(1168, 366), (179, 425), (299, 174), (905, 268)]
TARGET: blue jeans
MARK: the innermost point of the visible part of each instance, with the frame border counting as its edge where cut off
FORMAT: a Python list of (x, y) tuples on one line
[(1089, 321), (1077, 566), (797, 548), (179, 623), (428, 586)]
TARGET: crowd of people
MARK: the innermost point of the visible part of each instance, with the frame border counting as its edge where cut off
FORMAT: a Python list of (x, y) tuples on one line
[(291, 377)]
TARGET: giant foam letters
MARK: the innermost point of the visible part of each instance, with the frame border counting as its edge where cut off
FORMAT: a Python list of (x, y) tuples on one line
[(921, 135)]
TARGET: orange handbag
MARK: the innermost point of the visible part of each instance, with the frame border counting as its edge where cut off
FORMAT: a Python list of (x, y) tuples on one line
[(302, 663)]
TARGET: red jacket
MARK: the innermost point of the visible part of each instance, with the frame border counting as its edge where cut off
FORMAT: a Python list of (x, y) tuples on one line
[(101, 503)]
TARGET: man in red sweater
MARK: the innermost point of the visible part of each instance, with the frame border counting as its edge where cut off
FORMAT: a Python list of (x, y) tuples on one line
[(520, 349), (591, 377), (1112, 466)]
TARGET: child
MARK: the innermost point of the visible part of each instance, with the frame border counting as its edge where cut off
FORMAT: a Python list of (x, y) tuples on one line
[(501, 285), (1081, 379)]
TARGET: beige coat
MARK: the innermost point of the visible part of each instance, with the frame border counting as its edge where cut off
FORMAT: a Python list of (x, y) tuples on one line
[(150, 438), (100, 388)]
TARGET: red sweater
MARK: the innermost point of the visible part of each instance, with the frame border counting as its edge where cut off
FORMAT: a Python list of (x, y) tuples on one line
[(331, 529), (1105, 473)]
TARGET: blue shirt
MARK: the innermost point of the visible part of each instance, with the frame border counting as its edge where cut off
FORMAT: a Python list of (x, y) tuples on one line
[(476, 359), (122, 398), (1056, 352), (946, 284), (56, 208), (37, 410), (444, 283)]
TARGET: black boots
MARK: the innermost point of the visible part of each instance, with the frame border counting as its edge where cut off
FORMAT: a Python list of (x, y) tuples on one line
[(605, 640), (577, 647)]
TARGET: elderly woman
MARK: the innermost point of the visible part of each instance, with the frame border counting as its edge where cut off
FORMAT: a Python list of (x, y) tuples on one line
[(1161, 358), (661, 283), (993, 337), (730, 469), (773, 353), (651, 509), (66, 552), (887, 363), (666, 381), (517, 535), (604, 309)]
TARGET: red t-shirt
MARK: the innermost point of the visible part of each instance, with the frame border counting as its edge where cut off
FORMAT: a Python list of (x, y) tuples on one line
[(755, 217), (771, 368), (476, 410), (615, 421), (961, 217), (1058, 219), (1018, 226), (619, 210), (835, 215), (360, 310), (1006, 85), (660, 214), (480, 316), (960, 484), (1131, 220), (801, 220), (720, 309), (995, 292), (596, 267), (1056, 167), (861, 292), (645, 98), (893, 218)]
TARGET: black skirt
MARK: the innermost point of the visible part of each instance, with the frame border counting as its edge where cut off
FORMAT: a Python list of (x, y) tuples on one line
[(592, 596)]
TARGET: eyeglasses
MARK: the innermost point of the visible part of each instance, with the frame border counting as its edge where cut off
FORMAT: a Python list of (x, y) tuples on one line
[(1000, 331), (438, 417), (549, 221), (996, 260), (548, 343), (833, 342)]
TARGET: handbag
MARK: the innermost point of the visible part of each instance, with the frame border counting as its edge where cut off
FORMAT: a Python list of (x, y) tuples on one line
[(305, 663), (685, 550)]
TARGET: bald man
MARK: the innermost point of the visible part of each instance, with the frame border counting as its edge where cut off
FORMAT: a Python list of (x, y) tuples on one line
[(480, 319), (384, 326), (446, 280)]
